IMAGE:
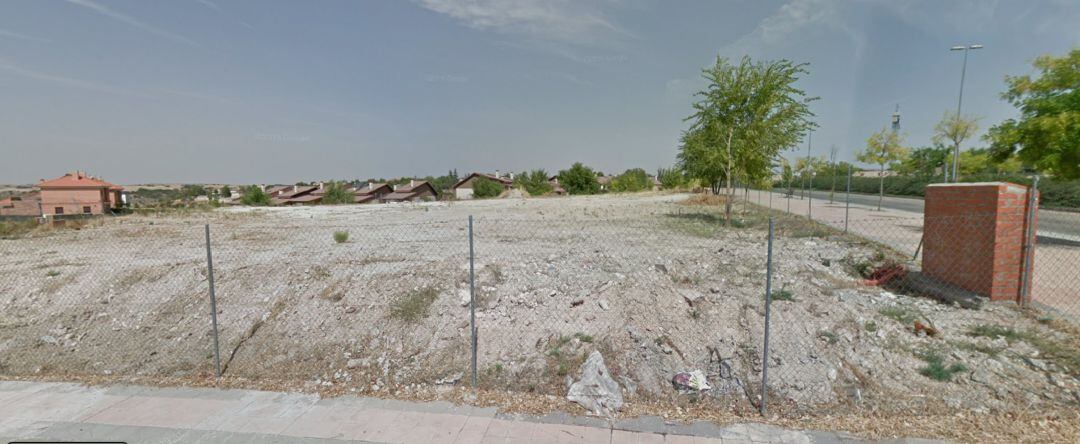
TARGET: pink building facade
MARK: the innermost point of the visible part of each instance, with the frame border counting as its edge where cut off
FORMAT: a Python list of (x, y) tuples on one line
[(78, 193)]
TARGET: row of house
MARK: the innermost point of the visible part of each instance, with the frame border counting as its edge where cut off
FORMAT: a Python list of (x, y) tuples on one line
[(415, 191), (74, 193)]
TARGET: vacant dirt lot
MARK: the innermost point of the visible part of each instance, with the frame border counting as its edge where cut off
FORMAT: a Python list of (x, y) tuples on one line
[(656, 284)]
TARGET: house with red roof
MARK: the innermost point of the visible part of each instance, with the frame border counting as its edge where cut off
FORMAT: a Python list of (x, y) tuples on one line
[(78, 193)]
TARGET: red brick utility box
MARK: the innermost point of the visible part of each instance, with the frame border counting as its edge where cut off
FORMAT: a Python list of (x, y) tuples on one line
[(974, 237)]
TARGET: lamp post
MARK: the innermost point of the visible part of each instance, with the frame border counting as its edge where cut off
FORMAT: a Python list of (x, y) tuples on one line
[(959, 103)]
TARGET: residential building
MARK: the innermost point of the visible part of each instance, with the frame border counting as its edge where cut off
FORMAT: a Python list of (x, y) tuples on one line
[(555, 187), (27, 205), (78, 193), (372, 192), (415, 191), (299, 194), (463, 189)]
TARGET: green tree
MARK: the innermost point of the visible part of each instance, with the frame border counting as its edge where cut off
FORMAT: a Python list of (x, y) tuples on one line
[(884, 148), (1047, 134), (579, 179), (746, 115), (484, 188), (670, 178), (226, 192), (924, 162), (534, 182), (631, 180), (787, 174), (335, 193), (254, 196), (953, 129)]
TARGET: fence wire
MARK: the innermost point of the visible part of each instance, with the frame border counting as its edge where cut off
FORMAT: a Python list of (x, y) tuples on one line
[(866, 308)]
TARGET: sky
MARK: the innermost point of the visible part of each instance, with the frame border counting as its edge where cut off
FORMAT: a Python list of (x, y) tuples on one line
[(273, 91)]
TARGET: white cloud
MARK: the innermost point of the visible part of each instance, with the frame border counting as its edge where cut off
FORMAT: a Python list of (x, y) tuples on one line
[(13, 68), (20, 36), (557, 20), (108, 12)]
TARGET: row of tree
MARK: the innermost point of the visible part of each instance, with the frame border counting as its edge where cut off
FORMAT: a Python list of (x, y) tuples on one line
[(751, 111)]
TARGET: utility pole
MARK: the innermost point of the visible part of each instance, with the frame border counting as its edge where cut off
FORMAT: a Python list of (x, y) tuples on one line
[(832, 160), (959, 103), (809, 142), (884, 153)]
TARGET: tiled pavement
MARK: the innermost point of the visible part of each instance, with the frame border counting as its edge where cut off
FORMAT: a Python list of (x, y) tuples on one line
[(63, 411)]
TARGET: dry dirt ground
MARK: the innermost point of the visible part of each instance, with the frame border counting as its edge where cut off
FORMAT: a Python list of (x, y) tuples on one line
[(653, 281)]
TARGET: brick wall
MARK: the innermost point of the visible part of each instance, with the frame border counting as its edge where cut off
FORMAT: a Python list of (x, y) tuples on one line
[(973, 236)]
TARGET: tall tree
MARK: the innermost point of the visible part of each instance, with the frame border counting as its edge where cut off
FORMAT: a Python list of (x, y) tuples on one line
[(579, 179), (745, 116), (954, 129), (884, 148), (1047, 134)]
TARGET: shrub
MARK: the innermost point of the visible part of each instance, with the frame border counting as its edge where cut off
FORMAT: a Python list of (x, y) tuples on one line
[(535, 182), (341, 236), (783, 295), (670, 178), (936, 369), (631, 181), (484, 188), (255, 196), (579, 179), (413, 306), (335, 193)]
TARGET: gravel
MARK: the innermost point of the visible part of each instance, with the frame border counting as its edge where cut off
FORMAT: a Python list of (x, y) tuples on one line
[(651, 283)]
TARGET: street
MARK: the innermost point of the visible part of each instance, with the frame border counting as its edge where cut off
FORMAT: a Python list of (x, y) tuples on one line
[(1052, 225)]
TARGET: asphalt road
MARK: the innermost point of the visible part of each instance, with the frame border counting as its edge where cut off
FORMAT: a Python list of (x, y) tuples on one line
[(1052, 224)]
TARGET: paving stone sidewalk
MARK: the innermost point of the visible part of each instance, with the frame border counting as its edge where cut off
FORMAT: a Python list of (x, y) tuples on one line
[(69, 412)]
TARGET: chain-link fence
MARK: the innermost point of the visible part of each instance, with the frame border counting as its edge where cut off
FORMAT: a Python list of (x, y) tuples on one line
[(857, 310)]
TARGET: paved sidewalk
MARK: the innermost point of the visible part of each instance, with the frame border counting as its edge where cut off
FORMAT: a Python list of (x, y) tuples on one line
[(63, 411)]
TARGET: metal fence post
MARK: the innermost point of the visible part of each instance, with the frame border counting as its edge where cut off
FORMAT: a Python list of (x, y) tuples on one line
[(768, 304), (847, 202), (1029, 242), (213, 302), (472, 299)]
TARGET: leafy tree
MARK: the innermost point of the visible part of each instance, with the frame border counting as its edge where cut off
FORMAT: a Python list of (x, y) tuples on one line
[(886, 150), (924, 162), (670, 178), (631, 180), (954, 129), (225, 191), (535, 182), (484, 188), (579, 179), (787, 174), (443, 183), (193, 191), (980, 162), (254, 196), (1047, 134), (747, 114), (335, 193)]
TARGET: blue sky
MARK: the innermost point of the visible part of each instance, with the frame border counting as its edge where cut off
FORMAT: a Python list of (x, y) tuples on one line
[(259, 91)]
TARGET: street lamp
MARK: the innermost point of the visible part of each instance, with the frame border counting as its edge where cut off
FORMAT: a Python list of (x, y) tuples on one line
[(959, 103)]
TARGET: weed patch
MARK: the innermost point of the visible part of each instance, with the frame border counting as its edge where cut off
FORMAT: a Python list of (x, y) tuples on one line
[(936, 369), (903, 315), (341, 236), (414, 305)]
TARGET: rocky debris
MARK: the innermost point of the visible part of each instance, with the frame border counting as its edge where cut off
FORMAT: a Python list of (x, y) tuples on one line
[(596, 392), (690, 295), (690, 382), (603, 303), (450, 379)]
